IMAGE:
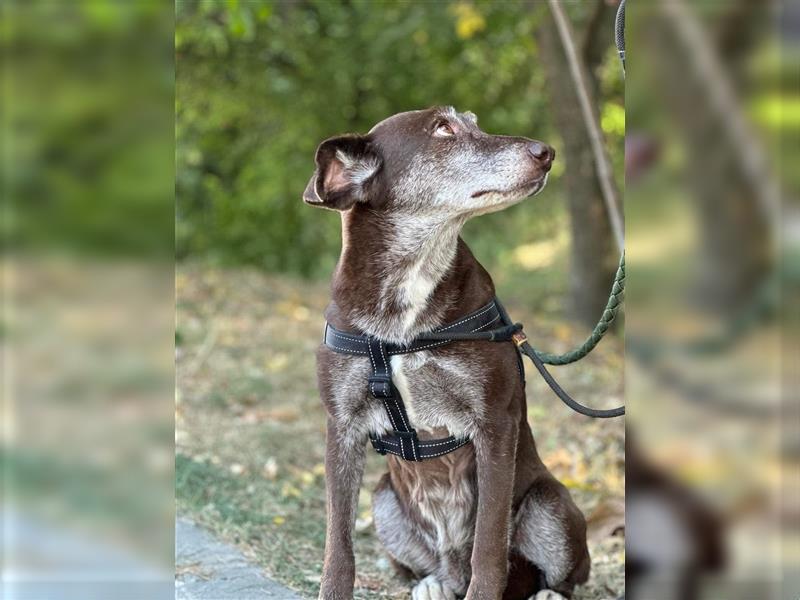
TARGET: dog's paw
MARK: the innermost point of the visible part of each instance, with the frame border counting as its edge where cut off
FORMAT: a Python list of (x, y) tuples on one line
[(547, 595), (431, 588)]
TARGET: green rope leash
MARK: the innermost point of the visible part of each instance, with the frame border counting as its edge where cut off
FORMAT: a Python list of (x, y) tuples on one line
[(610, 312)]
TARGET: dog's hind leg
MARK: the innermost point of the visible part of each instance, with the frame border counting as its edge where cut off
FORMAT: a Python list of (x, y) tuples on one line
[(551, 533), (399, 537), (524, 578), (411, 554)]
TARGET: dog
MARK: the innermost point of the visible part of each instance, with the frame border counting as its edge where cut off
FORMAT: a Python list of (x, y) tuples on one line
[(488, 520)]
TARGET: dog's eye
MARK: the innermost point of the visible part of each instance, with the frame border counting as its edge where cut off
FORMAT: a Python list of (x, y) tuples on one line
[(443, 129)]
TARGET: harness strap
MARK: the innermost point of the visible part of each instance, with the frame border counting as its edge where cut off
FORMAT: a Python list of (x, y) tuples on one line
[(403, 440), (477, 322), (391, 444), (381, 387)]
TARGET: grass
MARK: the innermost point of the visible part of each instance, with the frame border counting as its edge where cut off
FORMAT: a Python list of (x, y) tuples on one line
[(250, 429)]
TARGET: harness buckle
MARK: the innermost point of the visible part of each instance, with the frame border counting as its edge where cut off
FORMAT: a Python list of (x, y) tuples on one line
[(380, 386)]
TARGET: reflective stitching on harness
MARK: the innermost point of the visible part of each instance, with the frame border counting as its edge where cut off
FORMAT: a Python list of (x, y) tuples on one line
[(485, 324), (485, 310), (397, 406), (413, 449), (374, 368), (347, 350), (430, 444), (402, 418), (372, 358), (382, 373), (386, 364), (434, 455), (447, 451), (418, 348), (346, 337), (389, 411)]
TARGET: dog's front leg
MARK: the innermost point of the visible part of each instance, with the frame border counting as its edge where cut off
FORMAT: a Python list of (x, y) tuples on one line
[(344, 467), (495, 449)]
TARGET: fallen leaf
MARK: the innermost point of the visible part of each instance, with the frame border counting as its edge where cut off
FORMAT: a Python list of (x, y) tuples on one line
[(277, 363), (281, 414), (290, 491), (270, 469)]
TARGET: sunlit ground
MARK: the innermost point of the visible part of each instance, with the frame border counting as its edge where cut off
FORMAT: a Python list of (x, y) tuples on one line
[(250, 429)]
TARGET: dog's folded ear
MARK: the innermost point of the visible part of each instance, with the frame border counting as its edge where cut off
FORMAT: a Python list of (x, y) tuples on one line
[(346, 168)]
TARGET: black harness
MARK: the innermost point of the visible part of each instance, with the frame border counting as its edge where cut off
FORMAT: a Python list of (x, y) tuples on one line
[(489, 323)]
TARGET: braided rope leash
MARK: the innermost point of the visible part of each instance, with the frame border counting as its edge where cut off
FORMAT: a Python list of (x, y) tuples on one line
[(619, 32), (603, 172), (540, 358), (610, 312), (513, 331)]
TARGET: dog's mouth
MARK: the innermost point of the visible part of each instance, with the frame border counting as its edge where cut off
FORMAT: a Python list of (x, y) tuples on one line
[(529, 188)]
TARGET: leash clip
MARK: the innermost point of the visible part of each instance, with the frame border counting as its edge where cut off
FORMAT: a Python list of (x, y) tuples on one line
[(519, 338)]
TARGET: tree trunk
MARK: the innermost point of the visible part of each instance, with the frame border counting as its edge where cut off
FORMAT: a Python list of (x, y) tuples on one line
[(735, 248), (593, 253)]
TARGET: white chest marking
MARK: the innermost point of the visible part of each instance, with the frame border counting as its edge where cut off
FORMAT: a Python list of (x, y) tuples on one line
[(416, 288), (399, 372)]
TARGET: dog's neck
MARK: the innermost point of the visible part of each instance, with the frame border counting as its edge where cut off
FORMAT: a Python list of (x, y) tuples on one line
[(399, 276)]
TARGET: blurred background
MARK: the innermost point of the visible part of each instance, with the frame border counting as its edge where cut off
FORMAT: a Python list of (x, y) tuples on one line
[(87, 291), (259, 86), (713, 117), (91, 142)]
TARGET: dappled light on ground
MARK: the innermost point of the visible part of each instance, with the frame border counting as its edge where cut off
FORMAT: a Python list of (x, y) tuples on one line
[(251, 430)]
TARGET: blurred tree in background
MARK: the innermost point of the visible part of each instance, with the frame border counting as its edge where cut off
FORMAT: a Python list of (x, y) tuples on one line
[(260, 84), (594, 253), (87, 147)]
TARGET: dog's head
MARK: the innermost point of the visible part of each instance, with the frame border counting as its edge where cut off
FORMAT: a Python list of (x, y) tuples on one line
[(434, 161)]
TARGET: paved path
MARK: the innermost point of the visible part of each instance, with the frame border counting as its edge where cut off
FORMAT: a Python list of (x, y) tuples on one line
[(207, 569), (48, 559)]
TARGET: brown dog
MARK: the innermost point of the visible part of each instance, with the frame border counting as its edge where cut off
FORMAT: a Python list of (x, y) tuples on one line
[(488, 520)]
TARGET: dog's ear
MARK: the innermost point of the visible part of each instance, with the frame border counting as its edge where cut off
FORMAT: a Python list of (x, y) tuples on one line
[(346, 167)]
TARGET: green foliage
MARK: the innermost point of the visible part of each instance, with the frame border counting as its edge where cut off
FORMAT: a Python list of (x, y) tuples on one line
[(87, 125), (259, 85)]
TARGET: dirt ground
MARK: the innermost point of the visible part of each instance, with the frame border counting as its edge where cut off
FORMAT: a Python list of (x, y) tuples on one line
[(250, 430)]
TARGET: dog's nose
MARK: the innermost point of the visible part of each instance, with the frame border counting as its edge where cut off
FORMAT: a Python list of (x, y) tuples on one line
[(542, 153)]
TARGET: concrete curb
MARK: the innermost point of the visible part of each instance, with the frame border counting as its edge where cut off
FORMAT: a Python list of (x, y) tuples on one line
[(207, 569)]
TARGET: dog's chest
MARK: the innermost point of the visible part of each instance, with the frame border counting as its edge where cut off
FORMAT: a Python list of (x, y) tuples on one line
[(443, 389), (440, 391)]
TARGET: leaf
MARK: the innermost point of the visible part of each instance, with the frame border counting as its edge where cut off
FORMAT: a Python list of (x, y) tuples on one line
[(290, 491), (270, 470), (277, 362)]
